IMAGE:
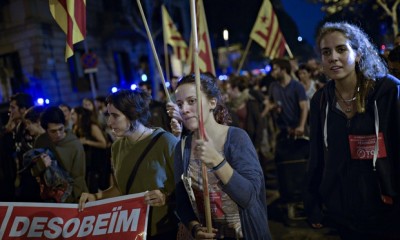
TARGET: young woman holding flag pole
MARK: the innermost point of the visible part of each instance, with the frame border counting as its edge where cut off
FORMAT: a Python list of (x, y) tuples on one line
[(234, 175), (215, 165), (201, 131), (198, 93)]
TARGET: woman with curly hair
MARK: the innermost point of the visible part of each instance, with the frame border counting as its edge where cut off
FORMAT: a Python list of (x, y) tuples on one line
[(354, 167), (235, 178)]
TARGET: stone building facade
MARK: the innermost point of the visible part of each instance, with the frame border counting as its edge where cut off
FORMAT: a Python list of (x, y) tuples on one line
[(32, 49)]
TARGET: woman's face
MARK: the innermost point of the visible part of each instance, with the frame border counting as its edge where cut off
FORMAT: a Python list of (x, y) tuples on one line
[(186, 100), (338, 57), (88, 105), (74, 116), (67, 113), (304, 75), (117, 121)]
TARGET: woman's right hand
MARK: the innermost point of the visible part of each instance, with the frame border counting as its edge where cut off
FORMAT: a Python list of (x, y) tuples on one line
[(85, 197), (173, 111)]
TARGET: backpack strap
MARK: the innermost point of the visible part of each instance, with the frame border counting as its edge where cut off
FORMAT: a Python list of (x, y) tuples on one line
[(140, 160)]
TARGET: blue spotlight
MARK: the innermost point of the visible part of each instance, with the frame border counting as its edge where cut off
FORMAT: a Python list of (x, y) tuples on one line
[(40, 101)]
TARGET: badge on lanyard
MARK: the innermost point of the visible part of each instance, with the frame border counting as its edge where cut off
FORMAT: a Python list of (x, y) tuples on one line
[(362, 146)]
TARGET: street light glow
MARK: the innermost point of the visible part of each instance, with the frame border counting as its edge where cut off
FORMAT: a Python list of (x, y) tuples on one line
[(225, 34)]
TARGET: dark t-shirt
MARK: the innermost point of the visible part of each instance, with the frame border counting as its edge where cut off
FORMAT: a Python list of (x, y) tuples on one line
[(288, 99)]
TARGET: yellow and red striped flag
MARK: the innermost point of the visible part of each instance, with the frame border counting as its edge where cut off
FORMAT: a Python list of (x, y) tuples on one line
[(71, 17), (173, 37), (206, 61), (266, 32)]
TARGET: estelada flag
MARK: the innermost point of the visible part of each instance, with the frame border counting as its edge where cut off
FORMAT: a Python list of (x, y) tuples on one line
[(173, 37), (206, 61), (71, 17), (266, 32)]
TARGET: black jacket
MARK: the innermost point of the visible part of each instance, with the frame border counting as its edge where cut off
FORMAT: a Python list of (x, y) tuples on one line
[(349, 189)]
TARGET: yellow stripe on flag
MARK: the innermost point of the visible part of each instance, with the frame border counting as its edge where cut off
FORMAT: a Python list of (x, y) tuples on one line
[(266, 31), (173, 37), (70, 15)]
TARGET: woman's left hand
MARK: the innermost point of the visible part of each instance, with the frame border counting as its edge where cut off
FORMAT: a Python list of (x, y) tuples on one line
[(155, 198), (202, 233)]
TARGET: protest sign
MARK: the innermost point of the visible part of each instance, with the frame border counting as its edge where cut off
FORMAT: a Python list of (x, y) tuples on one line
[(122, 217)]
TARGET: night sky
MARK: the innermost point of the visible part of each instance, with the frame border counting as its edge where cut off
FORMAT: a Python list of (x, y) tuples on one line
[(306, 15), (238, 16)]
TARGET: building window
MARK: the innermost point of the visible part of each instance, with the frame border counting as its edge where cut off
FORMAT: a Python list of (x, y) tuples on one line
[(11, 77)]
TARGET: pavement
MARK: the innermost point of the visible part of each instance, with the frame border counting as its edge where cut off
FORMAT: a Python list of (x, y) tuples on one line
[(284, 229)]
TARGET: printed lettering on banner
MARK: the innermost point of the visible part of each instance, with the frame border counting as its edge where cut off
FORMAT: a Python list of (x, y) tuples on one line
[(115, 218)]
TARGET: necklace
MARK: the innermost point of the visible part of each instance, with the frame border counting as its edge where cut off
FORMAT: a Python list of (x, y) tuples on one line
[(141, 135), (347, 102)]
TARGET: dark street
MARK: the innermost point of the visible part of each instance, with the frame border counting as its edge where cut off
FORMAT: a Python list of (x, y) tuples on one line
[(284, 229)]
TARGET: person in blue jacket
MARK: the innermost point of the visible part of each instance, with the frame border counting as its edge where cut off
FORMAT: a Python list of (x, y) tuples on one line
[(354, 167), (235, 178)]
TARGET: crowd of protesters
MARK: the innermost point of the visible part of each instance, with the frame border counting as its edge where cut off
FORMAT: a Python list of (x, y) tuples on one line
[(251, 122)]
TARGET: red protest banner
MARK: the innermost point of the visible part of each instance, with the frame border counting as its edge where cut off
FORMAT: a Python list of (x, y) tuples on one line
[(122, 217)]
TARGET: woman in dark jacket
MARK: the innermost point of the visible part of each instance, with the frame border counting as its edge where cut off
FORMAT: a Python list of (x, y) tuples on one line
[(354, 167)]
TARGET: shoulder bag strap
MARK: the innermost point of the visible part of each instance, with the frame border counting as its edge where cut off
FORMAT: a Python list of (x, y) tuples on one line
[(140, 159)]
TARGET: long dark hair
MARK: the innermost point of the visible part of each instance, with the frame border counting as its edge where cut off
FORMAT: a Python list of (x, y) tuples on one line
[(210, 88), (83, 126), (133, 104)]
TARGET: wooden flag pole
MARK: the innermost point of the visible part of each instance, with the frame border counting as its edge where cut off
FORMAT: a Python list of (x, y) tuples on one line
[(288, 50), (154, 50), (206, 194), (166, 57), (246, 51)]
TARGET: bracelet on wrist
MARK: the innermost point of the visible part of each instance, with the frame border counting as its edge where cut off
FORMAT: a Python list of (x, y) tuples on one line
[(220, 165), (195, 229)]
